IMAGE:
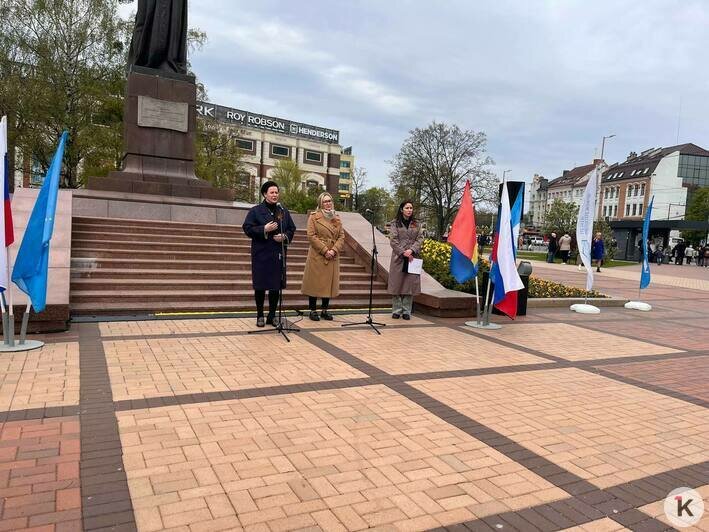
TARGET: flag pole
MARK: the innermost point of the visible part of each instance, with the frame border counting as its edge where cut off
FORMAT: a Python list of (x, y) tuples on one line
[(11, 312), (487, 301), (25, 319), (3, 309)]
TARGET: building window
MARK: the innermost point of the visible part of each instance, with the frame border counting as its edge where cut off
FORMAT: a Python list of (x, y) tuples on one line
[(605, 194), (605, 211), (627, 209), (635, 207), (313, 156), (640, 209), (280, 151), (344, 175), (312, 184), (343, 187), (642, 189), (246, 145), (615, 210), (344, 164)]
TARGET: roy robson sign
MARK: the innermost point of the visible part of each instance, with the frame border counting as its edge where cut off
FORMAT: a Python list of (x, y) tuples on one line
[(277, 125)]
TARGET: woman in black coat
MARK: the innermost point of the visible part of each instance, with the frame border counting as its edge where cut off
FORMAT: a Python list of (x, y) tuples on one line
[(270, 227)]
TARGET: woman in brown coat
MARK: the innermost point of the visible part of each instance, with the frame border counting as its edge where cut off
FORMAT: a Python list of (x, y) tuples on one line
[(406, 238), (322, 267)]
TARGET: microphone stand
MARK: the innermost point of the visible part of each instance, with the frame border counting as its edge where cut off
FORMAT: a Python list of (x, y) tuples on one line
[(373, 270), (283, 327)]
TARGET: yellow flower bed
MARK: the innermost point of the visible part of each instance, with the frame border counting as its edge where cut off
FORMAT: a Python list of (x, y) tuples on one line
[(436, 261)]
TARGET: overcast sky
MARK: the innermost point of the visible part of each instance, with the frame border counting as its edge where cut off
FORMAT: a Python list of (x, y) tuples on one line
[(545, 80)]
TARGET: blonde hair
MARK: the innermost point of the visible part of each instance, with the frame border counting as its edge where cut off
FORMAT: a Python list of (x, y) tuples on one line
[(322, 197)]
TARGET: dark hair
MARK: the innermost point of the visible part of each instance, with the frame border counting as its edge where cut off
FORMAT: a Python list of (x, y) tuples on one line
[(267, 185), (400, 213)]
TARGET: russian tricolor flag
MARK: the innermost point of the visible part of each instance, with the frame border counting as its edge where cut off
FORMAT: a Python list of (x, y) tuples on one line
[(504, 269), (7, 235), (464, 240)]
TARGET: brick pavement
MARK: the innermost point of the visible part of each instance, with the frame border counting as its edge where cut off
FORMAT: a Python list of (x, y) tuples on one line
[(556, 421)]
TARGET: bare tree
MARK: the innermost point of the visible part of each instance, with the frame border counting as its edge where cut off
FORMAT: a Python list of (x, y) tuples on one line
[(359, 183), (433, 164)]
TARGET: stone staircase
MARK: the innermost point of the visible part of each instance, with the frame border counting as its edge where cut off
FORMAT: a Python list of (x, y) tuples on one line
[(123, 267)]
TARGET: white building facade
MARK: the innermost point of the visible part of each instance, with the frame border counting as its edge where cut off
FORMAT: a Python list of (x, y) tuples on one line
[(265, 140)]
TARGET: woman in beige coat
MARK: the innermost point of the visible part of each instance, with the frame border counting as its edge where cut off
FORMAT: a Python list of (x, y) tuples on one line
[(406, 238), (322, 267)]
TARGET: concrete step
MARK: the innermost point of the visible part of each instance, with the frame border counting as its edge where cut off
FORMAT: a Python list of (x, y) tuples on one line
[(158, 227), (134, 307), (297, 255), (177, 285), (187, 275), (122, 236), (159, 296), (156, 263), (241, 247)]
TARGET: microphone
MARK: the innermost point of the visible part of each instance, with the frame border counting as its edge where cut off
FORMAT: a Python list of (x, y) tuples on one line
[(279, 205)]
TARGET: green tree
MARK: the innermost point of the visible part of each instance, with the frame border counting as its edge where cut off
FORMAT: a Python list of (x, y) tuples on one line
[(61, 65), (697, 210), (432, 166), (218, 159), (359, 181), (379, 201), (294, 194), (561, 218)]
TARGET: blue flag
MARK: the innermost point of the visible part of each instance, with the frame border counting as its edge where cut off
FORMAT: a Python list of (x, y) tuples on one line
[(645, 274), (32, 262)]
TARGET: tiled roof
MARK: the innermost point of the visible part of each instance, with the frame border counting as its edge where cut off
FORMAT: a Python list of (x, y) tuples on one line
[(644, 165), (572, 176)]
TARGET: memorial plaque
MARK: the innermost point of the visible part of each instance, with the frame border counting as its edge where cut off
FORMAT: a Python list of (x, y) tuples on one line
[(162, 114)]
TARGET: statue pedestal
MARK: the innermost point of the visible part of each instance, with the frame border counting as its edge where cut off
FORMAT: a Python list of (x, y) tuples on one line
[(159, 131)]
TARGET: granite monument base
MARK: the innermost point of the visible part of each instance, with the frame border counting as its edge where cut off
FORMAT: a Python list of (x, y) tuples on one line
[(159, 131)]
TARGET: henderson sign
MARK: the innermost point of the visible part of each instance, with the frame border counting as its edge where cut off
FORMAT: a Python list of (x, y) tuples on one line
[(277, 125)]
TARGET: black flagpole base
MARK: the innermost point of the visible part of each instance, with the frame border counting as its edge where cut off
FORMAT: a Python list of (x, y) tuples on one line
[(281, 328), (368, 321)]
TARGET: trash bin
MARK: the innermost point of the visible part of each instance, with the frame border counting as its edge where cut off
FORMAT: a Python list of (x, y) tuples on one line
[(525, 270)]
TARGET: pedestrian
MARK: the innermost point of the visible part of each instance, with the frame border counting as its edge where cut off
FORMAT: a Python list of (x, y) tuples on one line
[(706, 255), (659, 254), (270, 228), (552, 248), (565, 248), (406, 240), (679, 253), (597, 251), (322, 267), (481, 244), (689, 253)]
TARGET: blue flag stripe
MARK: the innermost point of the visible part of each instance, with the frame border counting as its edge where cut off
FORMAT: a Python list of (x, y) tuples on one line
[(461, 267)]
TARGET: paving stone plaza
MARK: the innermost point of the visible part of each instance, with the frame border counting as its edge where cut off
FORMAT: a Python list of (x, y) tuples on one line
[(556, 421)]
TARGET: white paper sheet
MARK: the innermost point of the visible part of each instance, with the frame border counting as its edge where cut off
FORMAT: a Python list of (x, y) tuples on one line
[(416, 266)]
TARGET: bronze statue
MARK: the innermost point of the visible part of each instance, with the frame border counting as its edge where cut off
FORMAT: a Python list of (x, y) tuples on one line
[(160, 36)]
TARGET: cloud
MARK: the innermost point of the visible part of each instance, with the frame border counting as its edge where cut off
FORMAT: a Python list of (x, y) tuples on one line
[(351, 81), (545, 80)]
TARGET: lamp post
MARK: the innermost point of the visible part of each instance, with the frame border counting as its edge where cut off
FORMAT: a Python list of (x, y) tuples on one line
[(600, 179)]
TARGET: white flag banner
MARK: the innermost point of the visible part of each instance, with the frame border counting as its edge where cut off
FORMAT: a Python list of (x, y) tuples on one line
[(584, 226), (505, 248)]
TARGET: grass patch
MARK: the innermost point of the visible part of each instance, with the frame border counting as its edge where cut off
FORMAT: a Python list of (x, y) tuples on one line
[(540, 255)]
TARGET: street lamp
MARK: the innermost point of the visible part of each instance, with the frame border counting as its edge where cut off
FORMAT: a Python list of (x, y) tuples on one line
[(598, 185), (504, 173), (603, 143)]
